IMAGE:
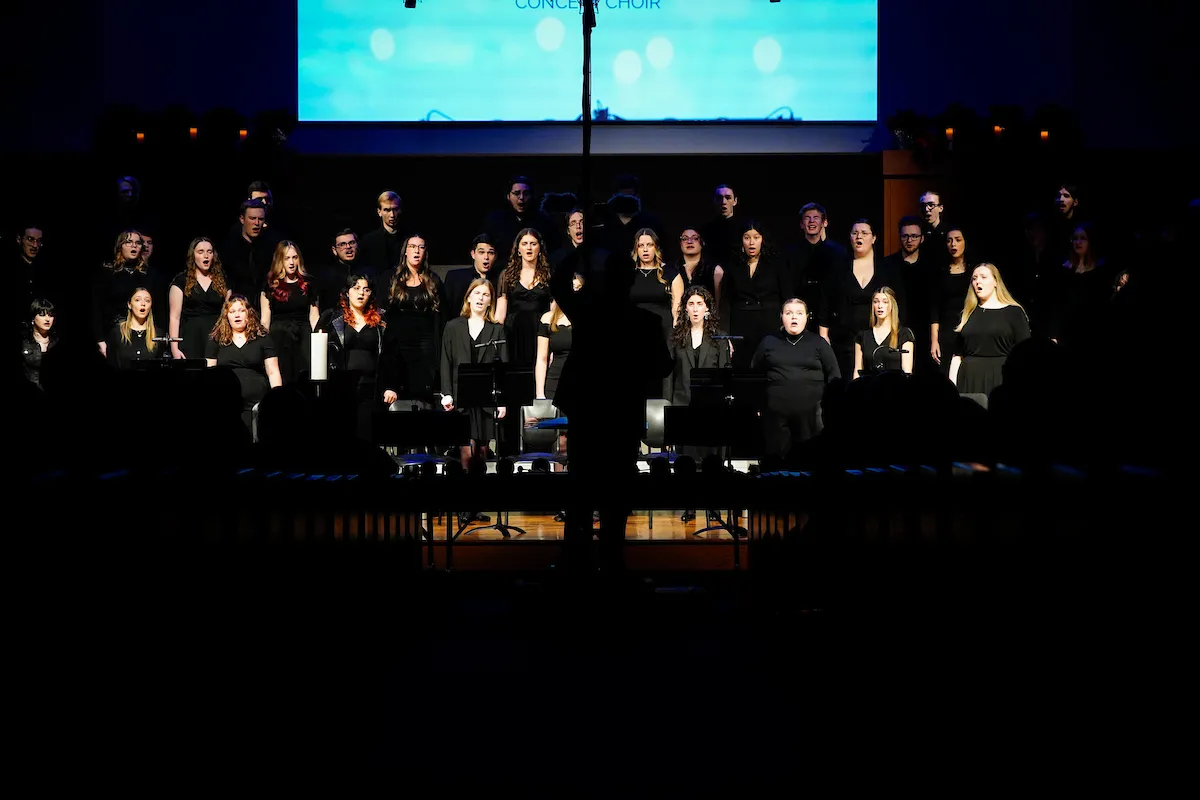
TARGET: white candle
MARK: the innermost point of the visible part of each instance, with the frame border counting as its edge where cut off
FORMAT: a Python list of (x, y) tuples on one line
[(319, 368)]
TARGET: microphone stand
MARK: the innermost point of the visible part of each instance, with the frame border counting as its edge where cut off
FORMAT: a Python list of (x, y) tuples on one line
[(167, 340)]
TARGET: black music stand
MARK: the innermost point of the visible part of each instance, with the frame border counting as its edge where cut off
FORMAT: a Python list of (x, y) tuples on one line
[(723, 413), (483, 387)]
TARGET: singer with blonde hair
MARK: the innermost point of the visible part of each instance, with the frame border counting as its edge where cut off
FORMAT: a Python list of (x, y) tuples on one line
[(992, 324)]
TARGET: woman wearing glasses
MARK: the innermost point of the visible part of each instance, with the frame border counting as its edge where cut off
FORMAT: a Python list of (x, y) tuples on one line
[(694, 271), (412, 339)]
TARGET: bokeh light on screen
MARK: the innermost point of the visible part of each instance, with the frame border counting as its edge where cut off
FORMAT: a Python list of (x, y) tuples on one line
[(520, 60)]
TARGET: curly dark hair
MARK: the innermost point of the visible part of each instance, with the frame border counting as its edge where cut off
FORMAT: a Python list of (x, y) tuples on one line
[(370, 310), (512, 272), (681, 334)]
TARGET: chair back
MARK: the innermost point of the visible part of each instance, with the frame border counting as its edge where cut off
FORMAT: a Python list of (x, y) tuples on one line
[(538, 440), (656, 425)]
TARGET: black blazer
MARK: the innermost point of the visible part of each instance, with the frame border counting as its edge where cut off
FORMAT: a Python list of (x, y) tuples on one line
[(712, 354), (457, 348)]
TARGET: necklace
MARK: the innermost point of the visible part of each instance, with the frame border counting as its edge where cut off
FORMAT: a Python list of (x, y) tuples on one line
[(798, 338)]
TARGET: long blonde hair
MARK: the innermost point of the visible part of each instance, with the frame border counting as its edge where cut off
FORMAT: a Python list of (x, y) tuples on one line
[(893, 316), (1002, 294), (490, 314), (658, 255), (126, 326)]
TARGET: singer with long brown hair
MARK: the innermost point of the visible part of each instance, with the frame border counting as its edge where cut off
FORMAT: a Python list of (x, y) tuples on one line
[(241, 343), (196, 297), (288, 304), (415, 313)]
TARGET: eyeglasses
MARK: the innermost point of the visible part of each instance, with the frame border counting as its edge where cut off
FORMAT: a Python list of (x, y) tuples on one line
[(689, 238), (416, 246), (931, 205), (33, 240), (345, 245), (911, 235)]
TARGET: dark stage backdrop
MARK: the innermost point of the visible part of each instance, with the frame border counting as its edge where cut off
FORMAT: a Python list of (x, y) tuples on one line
[(1123, 73)]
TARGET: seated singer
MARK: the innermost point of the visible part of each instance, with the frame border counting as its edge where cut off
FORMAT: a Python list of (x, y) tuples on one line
[(474, 337), (885, 346)]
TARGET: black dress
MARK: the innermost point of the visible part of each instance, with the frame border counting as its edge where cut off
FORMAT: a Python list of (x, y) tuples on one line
[(949, 294), (522, 318), (358, 353), (124, 355), (290, 328), (198, 316), (248, 363), (984, 344), (648, 293), (877, 358), (703, 276), (847, 308), (458, 347), (412, 341), (560, 349), (111, 291), (755, 302), (797, 368)]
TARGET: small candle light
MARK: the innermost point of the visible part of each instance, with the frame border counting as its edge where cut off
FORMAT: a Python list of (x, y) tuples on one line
[(242, 134), (949, 134), (193, 132), (1045, 136), (996, 129), (141, 137)]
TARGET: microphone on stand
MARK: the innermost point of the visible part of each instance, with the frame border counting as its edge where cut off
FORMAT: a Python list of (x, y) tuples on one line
[(493, 341)]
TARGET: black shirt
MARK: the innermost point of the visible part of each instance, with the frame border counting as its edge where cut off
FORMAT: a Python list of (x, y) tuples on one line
[(252, 355), (883, 357)]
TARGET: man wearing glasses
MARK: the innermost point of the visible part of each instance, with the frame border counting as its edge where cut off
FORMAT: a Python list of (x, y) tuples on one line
[(933, 248), (346, 262), (913, 295), (31, 276), (519, 212)]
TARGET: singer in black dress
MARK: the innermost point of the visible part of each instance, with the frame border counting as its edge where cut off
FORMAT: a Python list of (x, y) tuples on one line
[(132, 339), (240, 343), (798, 364), (466, 340), (950, 288), (847, 294), (757, 284), (524, 296), (288, 304), (993, 323), (412, 339), (885, 346), (355, 327), (197, 295), (114, 284)]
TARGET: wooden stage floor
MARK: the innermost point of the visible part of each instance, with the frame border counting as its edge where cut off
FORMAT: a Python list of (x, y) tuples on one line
[(669, 545)]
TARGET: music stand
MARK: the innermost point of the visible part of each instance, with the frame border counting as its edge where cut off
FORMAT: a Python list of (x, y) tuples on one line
[(723, 413), (483, 387)]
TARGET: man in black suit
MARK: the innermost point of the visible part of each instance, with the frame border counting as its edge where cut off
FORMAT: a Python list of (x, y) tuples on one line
[(484, 264)]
